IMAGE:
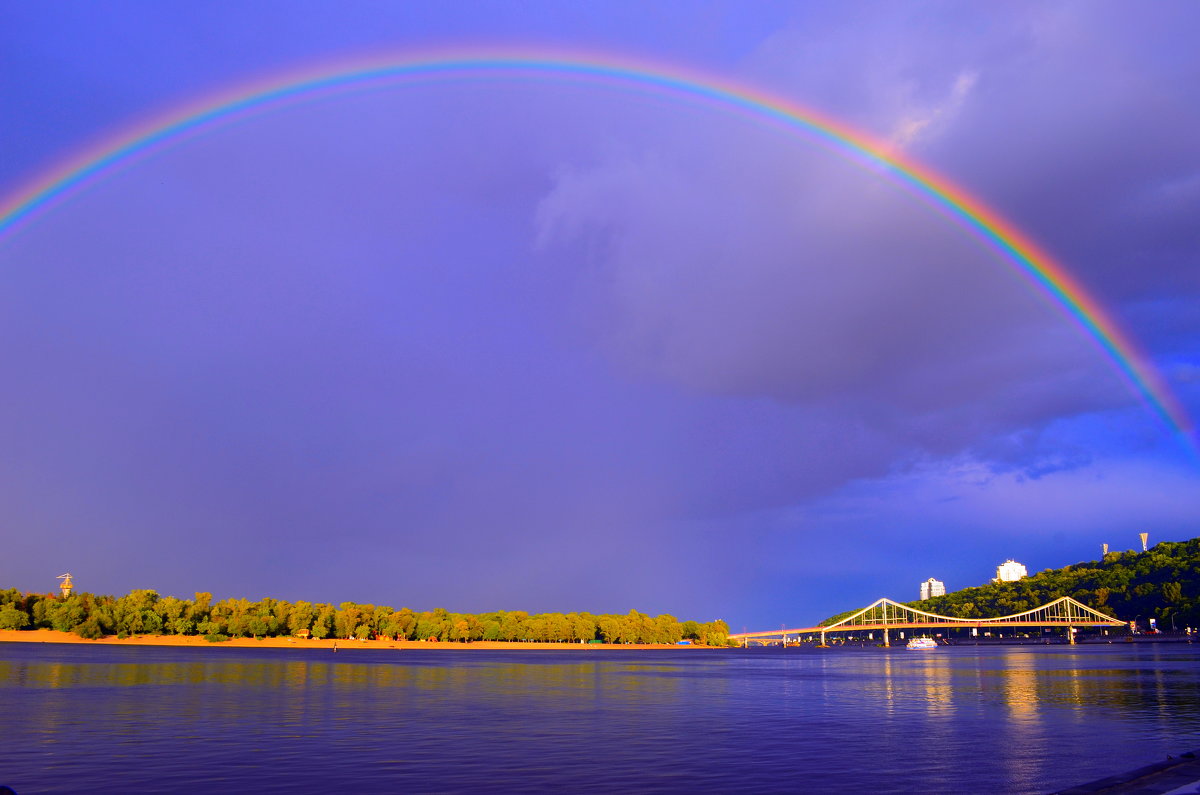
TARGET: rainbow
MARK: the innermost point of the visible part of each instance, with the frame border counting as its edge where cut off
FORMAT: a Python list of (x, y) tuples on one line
[(160, 132)]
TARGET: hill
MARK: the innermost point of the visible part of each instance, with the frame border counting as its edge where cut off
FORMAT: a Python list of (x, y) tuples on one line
[(1162, 583)]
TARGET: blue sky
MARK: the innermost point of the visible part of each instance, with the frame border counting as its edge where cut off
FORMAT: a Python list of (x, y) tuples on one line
[(550, 346)]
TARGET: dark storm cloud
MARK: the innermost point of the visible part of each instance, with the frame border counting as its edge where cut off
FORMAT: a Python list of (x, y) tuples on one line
[(806, 282), (1074, 120), (793, 278), (563, 347)]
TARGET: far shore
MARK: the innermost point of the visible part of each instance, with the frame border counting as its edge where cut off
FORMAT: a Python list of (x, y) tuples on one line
[(51, 636)]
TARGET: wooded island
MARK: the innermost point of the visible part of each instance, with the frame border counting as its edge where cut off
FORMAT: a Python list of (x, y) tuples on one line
[(144, 612)]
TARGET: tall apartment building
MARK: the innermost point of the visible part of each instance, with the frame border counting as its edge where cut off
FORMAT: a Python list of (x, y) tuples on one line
[(931, 588), (1010, 571)]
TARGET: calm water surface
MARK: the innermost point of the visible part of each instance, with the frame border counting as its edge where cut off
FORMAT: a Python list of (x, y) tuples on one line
[(1009, 719)]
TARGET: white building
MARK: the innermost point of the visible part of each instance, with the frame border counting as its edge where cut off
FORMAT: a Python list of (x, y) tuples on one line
[(931, 588), (1010, 571)]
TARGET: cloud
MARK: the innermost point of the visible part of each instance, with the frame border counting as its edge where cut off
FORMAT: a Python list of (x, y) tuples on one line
[(799, 279), (553, 344), (738, 263), (923, 123), (970, 494)]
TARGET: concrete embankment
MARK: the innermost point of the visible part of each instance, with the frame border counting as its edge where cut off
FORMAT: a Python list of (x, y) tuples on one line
[(1175, 775)]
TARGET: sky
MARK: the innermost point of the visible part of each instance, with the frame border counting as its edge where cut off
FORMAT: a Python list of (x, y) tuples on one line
[(554, 345)]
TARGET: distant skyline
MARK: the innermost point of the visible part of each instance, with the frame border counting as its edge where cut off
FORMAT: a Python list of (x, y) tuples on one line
[(545, 345)]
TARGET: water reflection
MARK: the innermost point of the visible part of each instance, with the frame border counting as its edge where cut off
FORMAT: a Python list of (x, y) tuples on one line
[(430, 721)]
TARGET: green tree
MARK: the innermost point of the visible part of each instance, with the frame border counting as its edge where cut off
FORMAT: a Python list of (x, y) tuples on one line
[(151, 623), (210, 627), (198, 611), (169, 609), (64, 615), (301, 617), (609, 628), (667, 629), (12, 618), (583, 627), (405, 623), (323, 623), (714, 633), (491, 628), (89, 630), (346, 619), (512, 625), (255, 626)]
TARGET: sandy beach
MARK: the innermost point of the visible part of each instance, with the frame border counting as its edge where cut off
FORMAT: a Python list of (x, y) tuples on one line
[(51, 636)]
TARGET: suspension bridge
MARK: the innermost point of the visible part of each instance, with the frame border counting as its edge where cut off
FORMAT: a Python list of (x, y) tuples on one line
[(884, 616)]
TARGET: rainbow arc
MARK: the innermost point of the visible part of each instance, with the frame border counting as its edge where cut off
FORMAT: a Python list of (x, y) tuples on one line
[(1025, 257)]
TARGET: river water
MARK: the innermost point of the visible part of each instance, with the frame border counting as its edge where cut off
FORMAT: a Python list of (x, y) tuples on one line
[(1000, 719)]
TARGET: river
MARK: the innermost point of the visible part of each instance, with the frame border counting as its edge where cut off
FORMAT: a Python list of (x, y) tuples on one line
[(988, 719)]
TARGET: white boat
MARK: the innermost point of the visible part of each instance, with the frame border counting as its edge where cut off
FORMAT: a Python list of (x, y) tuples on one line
[(922, 643)]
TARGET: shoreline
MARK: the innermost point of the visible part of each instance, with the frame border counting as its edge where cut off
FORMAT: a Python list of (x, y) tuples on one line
[(1172, 775), (53, 636)]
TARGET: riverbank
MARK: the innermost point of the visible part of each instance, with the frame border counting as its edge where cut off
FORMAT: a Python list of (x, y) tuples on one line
[(1174, 776), (51, 636)]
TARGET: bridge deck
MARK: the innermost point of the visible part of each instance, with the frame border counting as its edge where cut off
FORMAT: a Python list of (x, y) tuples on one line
[(884, 614), (922, 625)]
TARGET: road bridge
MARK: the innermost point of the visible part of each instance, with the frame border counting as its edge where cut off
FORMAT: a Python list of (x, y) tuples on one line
[(885, 615)]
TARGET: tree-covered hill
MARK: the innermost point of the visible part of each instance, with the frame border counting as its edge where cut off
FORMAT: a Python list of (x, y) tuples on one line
[(144, 612), (1163, 583)]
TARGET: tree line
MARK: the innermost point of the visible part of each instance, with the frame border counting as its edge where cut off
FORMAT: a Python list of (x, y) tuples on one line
[(1162, 583), (144, 612)]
